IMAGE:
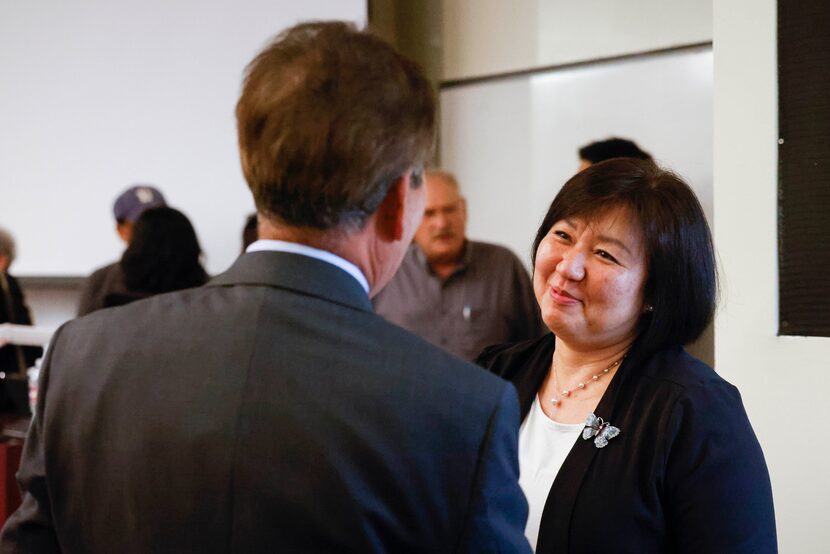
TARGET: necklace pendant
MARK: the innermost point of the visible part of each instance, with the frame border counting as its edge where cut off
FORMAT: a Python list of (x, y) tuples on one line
[(557, 400)]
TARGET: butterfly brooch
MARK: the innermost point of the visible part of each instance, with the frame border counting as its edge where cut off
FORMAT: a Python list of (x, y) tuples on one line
[(598, 429)]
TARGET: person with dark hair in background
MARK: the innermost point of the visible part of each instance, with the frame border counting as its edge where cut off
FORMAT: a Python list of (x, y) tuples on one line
[(108, 280), (602, 150), (272, 410), (163, 256), (249, 232), (628, 443), (14, 359)]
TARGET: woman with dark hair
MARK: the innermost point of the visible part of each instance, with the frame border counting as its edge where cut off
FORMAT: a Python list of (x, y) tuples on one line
[(627, 443), (163, 256)]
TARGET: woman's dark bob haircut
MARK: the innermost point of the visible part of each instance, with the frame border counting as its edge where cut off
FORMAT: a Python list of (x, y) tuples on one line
[(681, 281), (163, 254)]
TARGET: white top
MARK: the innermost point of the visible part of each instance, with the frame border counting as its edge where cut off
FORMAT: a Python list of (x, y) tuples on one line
[(311, 252), (543, 446)]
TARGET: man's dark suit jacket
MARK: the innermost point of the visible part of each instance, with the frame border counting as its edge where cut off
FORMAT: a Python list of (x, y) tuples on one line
[(270, 411), (685, 474)]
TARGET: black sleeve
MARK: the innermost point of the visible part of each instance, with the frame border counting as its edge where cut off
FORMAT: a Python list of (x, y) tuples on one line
[(718, 490), (20, 312), (21, 316)]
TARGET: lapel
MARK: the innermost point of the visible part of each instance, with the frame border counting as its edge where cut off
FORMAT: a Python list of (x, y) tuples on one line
[(554, 529), (296, 272), (529, 382)]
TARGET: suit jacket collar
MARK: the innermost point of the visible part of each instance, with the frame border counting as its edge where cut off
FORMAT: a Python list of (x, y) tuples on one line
[(532, 365), (296, 272)]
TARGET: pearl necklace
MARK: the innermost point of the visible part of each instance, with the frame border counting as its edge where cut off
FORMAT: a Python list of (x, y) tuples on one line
[(556, 400)]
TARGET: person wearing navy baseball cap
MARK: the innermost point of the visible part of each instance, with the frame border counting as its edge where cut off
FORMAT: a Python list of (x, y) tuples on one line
[(131, 203), (128, 207)]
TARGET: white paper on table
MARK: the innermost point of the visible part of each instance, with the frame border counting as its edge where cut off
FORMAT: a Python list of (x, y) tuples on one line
[(25, 335)]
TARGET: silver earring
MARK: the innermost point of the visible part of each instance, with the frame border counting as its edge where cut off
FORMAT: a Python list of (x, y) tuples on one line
[(649, 308)]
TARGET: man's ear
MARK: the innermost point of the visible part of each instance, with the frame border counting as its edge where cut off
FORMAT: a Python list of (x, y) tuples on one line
[(390, 214)]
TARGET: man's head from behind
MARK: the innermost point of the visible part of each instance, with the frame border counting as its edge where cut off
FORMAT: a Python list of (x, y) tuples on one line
[(329, 119), (602, 150), (442, 232), (130, 204)]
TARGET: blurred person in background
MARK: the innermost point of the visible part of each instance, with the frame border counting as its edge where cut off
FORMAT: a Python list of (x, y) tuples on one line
[(127, 208), (459, 294), (14, 359), (163, 256), (607, 149)]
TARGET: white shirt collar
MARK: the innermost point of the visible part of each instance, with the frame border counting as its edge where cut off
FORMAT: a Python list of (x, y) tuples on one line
[(305, 250)]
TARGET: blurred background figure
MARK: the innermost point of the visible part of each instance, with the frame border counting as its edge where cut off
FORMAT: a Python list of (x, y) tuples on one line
[(127, 208), (162, 256), (14, 359), (459, 294), (602, 150), (249, 231)]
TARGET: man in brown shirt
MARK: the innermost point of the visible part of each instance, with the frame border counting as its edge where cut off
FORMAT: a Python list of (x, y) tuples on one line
[(459, 294)]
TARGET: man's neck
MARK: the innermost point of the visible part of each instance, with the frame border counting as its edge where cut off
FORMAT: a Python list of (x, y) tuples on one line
[(353, 247), (323, 240), (444, 269)]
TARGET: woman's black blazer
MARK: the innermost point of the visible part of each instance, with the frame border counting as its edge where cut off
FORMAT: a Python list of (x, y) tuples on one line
[(686, 473)]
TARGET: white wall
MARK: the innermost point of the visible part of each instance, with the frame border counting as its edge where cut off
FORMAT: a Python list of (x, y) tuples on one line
[(483, 37), (101, 94), (97, 95), (51, 306), (784, 380), (486, 141), (513, 141)]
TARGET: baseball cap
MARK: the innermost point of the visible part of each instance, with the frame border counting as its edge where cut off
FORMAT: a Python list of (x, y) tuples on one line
[(129, 205)]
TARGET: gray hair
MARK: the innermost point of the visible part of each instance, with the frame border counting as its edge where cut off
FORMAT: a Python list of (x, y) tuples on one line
[(7, 247), (444, 176)]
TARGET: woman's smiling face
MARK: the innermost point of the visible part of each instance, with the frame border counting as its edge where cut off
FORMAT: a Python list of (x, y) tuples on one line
[(589, 279)]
